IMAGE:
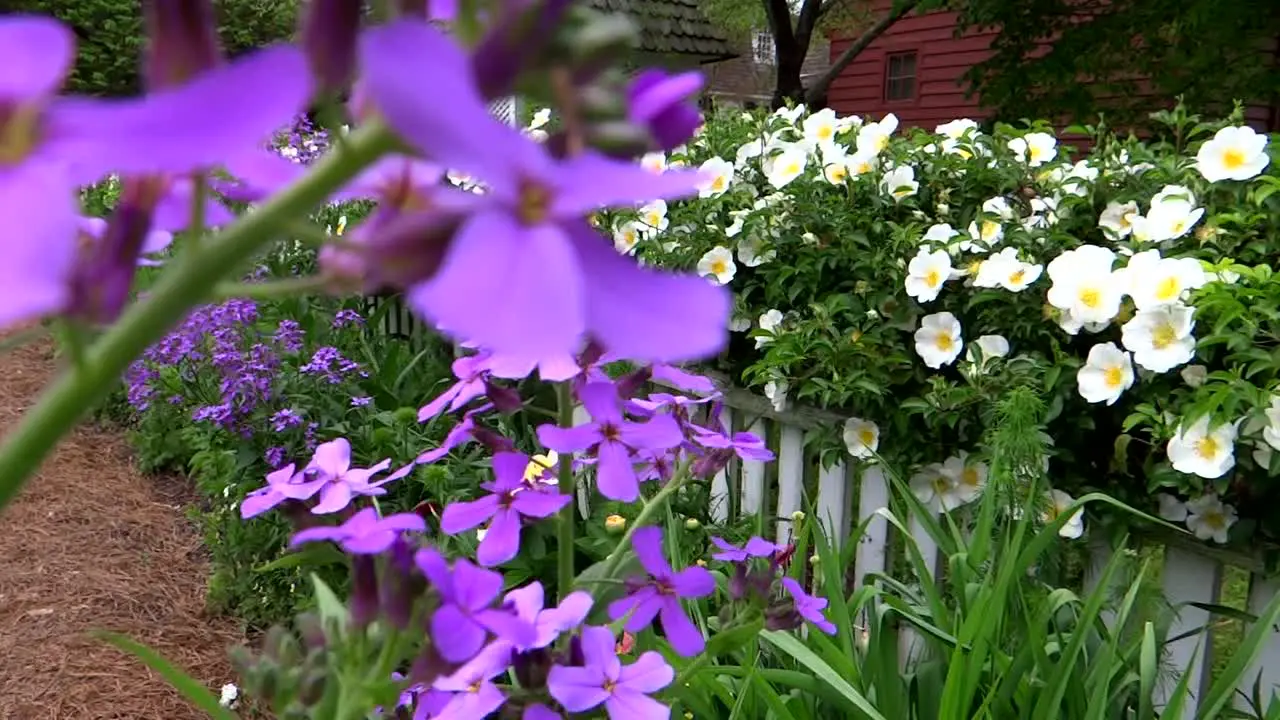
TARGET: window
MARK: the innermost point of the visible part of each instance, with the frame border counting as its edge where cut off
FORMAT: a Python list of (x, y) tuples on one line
[(762, 48), (900, 76)]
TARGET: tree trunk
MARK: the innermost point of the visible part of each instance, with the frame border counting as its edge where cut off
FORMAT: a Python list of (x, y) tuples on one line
[(787, 84), (817, 92)]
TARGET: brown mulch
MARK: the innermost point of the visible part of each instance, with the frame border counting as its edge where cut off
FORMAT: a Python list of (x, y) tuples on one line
[(92, 544)]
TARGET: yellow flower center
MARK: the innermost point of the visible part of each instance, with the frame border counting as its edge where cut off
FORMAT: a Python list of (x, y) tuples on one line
[(792, 168), (1113, 376), (989, 229), (1207, 447), (1214, 519), (474, 687), (932, 278), (1017, 277), (653, 219), (718, 184), (1035, 152), (719, 267), (1163, 337), (969, 477), (940, 485), (838, 174), (866, 437), (864, 167), (19, 133), (882, 142), (1179, 227), (1233, 159), (535, 203), (944, 342), (1168, 289), (1090, 297), (824, 132)]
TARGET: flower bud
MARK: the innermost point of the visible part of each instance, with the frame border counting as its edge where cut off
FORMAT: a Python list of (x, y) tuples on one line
[(364, 590), (691, 524), (659, 102), (814, 560), (311, 690), (182, 41), (328, 36), (312, 631), (506, 400), (532, 668), (408, 249), (281, 646), (797, 516), (615, 524)]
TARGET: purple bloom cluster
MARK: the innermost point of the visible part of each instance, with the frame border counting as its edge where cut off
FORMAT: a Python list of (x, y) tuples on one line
[(302, 142), (329, 364), (786, 604)]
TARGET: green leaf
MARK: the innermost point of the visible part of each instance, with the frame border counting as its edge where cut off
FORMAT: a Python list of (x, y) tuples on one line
[(806, 657), (330, 605), (315, 554), (190, 688)]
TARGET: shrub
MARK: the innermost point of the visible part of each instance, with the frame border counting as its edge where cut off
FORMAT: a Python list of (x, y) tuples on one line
[(905, 279)]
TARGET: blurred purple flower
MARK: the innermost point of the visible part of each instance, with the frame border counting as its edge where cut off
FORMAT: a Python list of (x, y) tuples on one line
[(285, 419), (328, 363), (661, 592), (524, 273), (548, 622), (363, 533), (460, 434), (465, 616), (660, 102), (361, 401), (612, 437), (745, 445), (473, 693), (343, 318), (623, 690), (509, 501), (756, 547), (809, 607), (339, 483), (289, 336), (470, 371), (274, 456)]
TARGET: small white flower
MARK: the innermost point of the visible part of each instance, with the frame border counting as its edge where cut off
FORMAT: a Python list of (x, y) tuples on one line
[(936, 489), (1117, 219), (788, 166), (861, 437), (739, 220), (938, 340), (1035, 149), (1058, 502), (1195, 375), (988, 347), (654, 162), (1171, 508), (540, 118), (1271, 433), (956, 129), (776, 392), (820, 127), (926, 273), (769, 323), (1234, 153), (230, 694), (1153, 281), (718, 263), (752, 251), (1173, 193), (626, 237), (968, 476), (790, 114), (940, 234), (718, 174), (861, 163), (1199, 450), (1210, 518), (900, 182), (873, 137), (653, 217), (1106, 374), (1005, 270), (1084, 285), (1171, 219), (1160, 338)]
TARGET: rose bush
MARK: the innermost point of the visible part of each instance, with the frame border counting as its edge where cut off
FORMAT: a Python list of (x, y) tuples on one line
[(910, 278)]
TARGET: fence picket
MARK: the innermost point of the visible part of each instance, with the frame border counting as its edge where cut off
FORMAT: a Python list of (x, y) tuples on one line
[(1267, 667), (720, 483), (753, 475), (910, 644), (830, 507), (790, 478), (873, 546), (1188, 578)]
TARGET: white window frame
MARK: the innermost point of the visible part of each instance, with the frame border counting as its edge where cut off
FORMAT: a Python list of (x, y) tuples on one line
[(762, 48)]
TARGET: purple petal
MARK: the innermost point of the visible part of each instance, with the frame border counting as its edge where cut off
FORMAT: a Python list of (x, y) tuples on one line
[(661, 432), (457, 637), (601, 400), (647, 544), (508, 627), (402, 472), (643, 606), (459, 516), (36, 52), (684, 636), (590, 181), (509, 467), (571, 612), (572, 439), (539, 504), (437, 406), (759, 547), (301, 490), (479, 702), (373, 543), (334, 497), (528, 601), (403, 522), (260, 174), (648, 674), (615, 473), (682, 379), (502, 541), (540, 712), (599, 650), (317, 534), (260, 501), (694, 582), (411, 70), (635, 706), (475, 587), (333, 457), (173, 211), (436, 568), (646, 315), (511, 287), (578, 689), (203, 123), (38, 256), (653, 92)]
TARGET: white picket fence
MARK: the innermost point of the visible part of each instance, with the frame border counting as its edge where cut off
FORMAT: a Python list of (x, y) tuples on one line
[(849, 493)]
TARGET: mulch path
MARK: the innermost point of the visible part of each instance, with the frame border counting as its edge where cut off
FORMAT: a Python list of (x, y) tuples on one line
[(92, 544)]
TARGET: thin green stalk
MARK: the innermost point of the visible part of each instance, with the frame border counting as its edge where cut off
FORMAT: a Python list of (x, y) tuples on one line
[(187, 281), (271, 289), (564, 535), (200, 196), (654, 505)]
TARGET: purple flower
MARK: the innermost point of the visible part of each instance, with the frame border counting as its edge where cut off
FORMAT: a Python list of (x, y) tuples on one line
[(347, 317), (684, 380), (745, 445), (658, 102), (756, 547), (361, 401), (274, 456), (363, 533), (339, 482), (509, 501), (524, 272), (548, 622), (661, 593), (624, 690), (466, 616), (658, 402), (329, 363), (613, 437), (461, 433), (470, 371), (285, 419), (473, 693), (809, 607), (288, 336)]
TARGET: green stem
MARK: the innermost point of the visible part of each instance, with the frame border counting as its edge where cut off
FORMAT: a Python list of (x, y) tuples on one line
[(271, 289), (200, 196), (654, 505), (187, 281), (564, 535)]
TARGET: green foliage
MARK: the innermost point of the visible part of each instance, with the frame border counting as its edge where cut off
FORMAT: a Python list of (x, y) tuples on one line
[(831, 254), (110, 38), (1210, 52)]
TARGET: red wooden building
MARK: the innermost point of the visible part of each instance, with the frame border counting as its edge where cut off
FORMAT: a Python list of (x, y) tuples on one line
[(914, 71)]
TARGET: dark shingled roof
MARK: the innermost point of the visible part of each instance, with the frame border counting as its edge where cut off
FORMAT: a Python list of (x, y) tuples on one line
[(671, 26)]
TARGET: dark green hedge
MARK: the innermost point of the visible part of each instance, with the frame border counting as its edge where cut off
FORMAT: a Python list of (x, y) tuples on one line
[(109, 34)]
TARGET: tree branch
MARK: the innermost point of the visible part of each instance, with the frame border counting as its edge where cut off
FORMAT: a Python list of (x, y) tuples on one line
[(819, 87), (809, 14), (779, 14)]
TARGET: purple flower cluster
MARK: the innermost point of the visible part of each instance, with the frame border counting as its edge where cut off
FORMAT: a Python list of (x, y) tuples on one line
[(302, 142), (329, 364), (786, 604)]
